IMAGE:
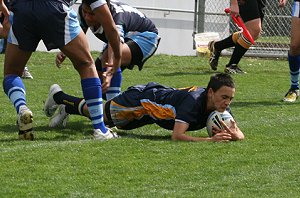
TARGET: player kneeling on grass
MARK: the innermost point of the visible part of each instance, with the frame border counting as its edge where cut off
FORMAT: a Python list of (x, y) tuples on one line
[(180, 110)]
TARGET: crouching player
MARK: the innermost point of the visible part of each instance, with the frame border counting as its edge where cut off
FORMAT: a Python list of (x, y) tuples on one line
[(138, 35)]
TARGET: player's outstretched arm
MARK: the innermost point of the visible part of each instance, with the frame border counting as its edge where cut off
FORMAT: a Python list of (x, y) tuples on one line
[(4, 9), (102, 14), (180, 129)]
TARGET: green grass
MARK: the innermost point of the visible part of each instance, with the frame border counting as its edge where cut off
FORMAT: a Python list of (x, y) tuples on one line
[(144, 162), (274, 39)]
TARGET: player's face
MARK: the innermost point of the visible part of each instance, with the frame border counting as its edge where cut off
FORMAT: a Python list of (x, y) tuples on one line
[(89, 16), (222, 98)]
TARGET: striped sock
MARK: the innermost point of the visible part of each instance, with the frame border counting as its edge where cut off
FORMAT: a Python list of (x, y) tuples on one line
[(115, 85), (15, 90), (91, 88), (294, 64)]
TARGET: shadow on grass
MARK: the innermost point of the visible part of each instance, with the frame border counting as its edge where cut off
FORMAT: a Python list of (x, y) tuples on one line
[(187, 73), (262, 103), (144, 136), (61, 134)]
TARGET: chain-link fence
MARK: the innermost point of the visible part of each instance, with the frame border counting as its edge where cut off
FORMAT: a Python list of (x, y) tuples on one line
[(275, 37)]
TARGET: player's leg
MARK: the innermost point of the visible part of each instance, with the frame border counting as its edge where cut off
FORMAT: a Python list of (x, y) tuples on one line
[(125, 111), (78, 52), (115, 83), (252, 13), (216, 47), (136, 50), (294, 60), (242, 45), (237, 40), (142, 46), (20, 45), (66, 105), (15, 61), (64, 32)]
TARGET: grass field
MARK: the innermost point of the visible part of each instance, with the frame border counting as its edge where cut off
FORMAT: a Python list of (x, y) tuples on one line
[(144, 162)]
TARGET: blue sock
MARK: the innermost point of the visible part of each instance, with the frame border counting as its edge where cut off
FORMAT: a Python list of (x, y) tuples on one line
[(115, 85), (91, 88), (15, 90), (294, 64)]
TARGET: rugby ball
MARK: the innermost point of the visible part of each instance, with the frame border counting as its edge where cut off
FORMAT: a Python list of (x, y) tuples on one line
[(214, 118)]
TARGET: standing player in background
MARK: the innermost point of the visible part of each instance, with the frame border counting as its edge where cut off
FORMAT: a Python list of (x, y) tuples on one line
[(252, 12), (138, 35), (54, 22), (294, 55)]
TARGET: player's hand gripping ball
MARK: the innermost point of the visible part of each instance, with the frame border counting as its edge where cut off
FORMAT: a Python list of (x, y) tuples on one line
[(214, 118)]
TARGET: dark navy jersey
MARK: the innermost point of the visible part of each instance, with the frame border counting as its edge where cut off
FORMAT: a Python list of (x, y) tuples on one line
[(154, 103), (126, 18), (189, 105)]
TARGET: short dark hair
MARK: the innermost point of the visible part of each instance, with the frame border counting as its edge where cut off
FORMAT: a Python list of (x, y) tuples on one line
[(219, 80)]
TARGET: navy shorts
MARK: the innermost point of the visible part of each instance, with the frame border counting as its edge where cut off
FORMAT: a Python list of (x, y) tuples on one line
[(252, 9), (52, 21)]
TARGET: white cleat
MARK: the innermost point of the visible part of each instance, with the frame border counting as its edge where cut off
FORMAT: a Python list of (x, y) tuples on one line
[(50, 105), (60, 118), (25, 123), (26, 74), (98, 135)]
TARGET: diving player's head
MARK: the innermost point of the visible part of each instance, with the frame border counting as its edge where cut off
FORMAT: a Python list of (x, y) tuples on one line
[(220, 92)]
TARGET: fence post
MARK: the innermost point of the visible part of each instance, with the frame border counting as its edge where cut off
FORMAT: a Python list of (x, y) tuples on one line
[(195, 23), (201, 16)]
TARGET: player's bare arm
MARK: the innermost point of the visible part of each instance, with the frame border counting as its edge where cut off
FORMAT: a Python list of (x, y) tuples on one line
[(102, 14), (4, 9), (60, 57), (4, 28), (282, 3), (180, 128), (234, 7)]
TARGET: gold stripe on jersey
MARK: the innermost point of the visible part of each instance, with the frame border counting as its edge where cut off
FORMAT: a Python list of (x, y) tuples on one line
[(189, 89), (156, 111), (163, 112), (119, 112)]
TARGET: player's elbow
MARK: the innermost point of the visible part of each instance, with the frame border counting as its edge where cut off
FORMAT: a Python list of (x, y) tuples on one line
[(178, 137), (175, 138)]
